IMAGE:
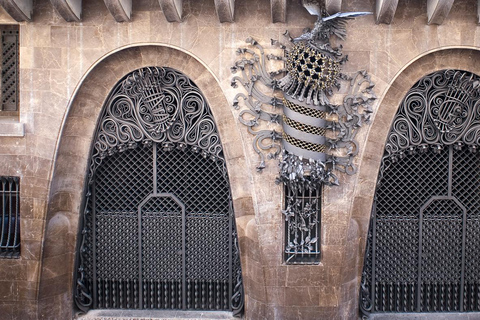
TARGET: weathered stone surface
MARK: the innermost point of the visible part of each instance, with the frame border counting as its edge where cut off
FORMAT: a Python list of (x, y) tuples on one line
[(172, 9), (20, 10), (333, 6), (385, 10), (12, 128), (438, 10), (121, 10), (279, 10), (225, 10), (70, 10)]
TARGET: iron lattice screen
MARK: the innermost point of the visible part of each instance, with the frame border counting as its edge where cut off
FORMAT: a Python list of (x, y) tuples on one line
[(423, 256), (10, 206), (181, 258), (10, 56), (422, 247)]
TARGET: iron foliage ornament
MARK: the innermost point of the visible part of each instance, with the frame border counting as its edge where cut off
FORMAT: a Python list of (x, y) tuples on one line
[(318, 136), (423, 240), (158, 227)]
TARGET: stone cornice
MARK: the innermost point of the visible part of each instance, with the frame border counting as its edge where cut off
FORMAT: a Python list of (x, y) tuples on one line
[(121, 10)]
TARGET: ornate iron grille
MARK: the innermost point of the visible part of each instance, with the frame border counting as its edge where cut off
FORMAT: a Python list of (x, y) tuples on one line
[(422, 248), (9, 67), (158, 226), (10, 206), (302, 227)]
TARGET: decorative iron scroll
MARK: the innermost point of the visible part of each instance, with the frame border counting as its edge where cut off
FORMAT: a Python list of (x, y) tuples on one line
[(157, 105), (158, 228), (422, 246), (440, 110), (317, 137)]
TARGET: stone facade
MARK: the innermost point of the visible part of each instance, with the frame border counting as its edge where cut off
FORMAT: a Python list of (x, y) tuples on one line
[(67, 69)]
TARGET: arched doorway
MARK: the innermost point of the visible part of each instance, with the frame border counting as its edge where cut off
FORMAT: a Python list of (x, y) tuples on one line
[(158, 227), (422, 242)]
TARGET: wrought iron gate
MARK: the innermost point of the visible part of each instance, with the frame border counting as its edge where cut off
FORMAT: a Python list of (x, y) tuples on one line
[(423, 242), (158, 226)]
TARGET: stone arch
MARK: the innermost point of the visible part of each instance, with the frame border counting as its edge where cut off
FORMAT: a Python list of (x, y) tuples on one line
[(460, 58), (73, 149)]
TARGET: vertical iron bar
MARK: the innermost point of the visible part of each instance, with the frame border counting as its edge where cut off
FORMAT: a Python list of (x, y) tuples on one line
[(94, 245), (374, 236), (184, 261), (462, 283), (189, 293), (180, 303), (9, 233), (128, 293), (17, 214), (140, 273), (302, 236), (450, 169), (4, 210), (230, 249), (154, 168), (419, 271), (318, 230)]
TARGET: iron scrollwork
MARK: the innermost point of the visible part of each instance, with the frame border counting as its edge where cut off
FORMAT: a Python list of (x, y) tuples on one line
[(317, 137), (440, 110), (156, 140), (157, 105)]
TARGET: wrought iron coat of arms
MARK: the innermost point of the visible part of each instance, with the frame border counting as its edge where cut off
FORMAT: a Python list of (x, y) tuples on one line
[(318, 135)]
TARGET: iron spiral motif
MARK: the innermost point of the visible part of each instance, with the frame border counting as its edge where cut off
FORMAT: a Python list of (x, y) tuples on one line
[(422, 246), (313, 137), (158, 228), (157, 105), (440, 110)]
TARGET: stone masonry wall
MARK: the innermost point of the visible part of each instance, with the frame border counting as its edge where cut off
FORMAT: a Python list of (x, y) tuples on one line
[(66, 71)]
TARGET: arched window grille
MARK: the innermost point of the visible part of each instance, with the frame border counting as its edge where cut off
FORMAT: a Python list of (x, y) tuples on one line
[(423, 242), (158, 228)]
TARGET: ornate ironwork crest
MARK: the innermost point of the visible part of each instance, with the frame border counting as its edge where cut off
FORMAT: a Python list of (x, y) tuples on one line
[(317, 136), (157, 179), (440, 110), (157, 105)]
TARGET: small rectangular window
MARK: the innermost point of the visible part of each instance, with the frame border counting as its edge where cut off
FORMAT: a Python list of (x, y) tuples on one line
[(302, 225), (10, 224), (10, 57)]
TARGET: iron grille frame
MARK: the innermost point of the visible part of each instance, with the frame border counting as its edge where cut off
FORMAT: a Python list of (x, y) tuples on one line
[(10, 224), (421, 253), (302, 224), (153, 129)]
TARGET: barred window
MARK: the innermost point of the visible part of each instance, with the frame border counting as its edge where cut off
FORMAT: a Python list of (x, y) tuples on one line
[(423, 244), (302, 225), (10, 56), (10, 232)]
